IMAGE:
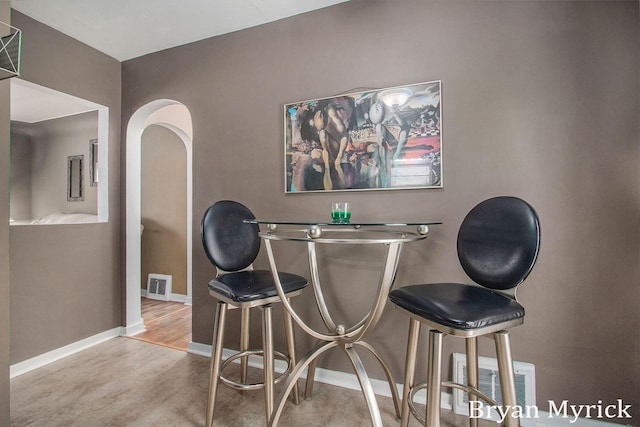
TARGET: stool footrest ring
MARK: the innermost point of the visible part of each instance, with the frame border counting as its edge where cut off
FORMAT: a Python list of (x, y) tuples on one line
[(446, 384), (253, 386)]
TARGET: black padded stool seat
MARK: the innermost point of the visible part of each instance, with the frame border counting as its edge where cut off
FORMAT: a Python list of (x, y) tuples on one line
[(232, 245), (248, 286), (457, 306), (498, 244)]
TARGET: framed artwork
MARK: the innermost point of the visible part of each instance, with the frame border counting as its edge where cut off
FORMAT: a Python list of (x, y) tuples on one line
[(93, 162), (75, 189), (382, 139)]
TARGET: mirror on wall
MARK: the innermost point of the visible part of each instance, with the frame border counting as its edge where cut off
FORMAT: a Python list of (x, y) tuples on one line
[(93, 162), (56, 141), (74, 179)]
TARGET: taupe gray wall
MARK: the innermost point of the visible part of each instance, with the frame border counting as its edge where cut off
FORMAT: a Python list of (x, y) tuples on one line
[(539, 100), (164, 206), (5, 118), (20, 197), (51, 142), (54, 141), (65, 279)]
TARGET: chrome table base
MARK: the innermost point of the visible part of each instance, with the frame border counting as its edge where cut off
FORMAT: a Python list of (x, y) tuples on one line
[(340, 336)]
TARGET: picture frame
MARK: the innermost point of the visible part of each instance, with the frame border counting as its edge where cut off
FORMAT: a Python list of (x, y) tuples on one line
[(75, 177), (93, 162), (382, 139)]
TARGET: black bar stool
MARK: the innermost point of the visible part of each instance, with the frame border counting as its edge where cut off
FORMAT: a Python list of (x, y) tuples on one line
[(498, 245), (232, 245)]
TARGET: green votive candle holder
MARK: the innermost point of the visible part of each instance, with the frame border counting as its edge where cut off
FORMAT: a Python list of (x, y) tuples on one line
[(340, 212)]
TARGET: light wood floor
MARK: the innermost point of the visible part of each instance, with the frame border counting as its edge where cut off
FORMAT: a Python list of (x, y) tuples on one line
[(130, 383), (167, 323)]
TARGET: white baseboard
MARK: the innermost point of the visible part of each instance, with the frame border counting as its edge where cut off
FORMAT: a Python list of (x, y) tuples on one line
[(178, 298), (199, 349), (62, 352), (327, 376), (172, 297), (134, 329)]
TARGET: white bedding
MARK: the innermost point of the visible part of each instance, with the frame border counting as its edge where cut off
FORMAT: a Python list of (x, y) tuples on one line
[(63, 218)]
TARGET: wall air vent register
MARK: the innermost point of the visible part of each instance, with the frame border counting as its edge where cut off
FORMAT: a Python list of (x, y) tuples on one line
[(159, 286), (489, 382)]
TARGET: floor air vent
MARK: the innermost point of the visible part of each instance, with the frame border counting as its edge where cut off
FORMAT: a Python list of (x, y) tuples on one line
[(159, 286), (489, 381)]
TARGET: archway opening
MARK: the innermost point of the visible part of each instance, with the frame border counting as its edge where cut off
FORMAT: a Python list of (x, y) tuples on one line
[(176, 117)]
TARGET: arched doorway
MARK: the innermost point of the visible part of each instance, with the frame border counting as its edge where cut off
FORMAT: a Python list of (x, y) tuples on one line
[(176, 117)]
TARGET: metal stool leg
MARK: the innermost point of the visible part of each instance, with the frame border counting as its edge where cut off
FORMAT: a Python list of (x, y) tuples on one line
[(409, 370), (472, 373), (245, 323), (216, 358), (311, 373), (267, 347), (291, 349), (434, 379), (507, 379)]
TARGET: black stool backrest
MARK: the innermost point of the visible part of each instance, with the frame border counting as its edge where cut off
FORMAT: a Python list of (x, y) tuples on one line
[(230, 243), (499, 241)]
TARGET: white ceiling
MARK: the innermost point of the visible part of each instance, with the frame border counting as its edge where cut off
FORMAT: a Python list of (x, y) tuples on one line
[(126, 29), (32, 103)]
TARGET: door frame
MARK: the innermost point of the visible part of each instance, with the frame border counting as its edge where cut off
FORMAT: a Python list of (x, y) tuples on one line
[(176, 117)]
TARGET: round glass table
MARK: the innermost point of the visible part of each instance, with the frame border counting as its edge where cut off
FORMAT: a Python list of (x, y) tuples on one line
[(346, 337)]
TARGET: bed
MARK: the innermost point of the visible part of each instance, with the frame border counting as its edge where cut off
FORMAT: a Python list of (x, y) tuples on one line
[(65, 218)]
